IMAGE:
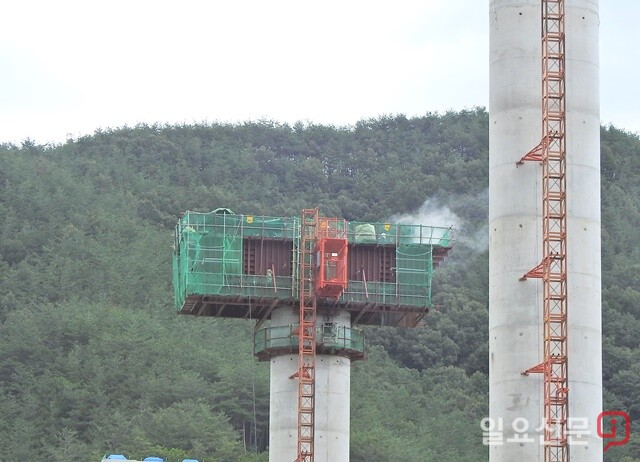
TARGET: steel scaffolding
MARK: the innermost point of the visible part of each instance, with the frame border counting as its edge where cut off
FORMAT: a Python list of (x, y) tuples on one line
[(551, 152), (307, 337)]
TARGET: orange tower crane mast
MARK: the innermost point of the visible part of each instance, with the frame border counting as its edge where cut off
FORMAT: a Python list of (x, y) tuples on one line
[(551, 153), (307, 337), (322, 273)]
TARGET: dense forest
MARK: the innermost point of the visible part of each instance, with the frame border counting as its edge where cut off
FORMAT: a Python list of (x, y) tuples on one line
[(93, 358)]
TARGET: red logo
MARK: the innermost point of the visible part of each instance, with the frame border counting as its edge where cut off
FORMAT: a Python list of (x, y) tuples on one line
[(612, 433)]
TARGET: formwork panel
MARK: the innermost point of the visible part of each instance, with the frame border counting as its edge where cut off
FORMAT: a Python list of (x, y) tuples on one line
[(267, 256), (371, 262)]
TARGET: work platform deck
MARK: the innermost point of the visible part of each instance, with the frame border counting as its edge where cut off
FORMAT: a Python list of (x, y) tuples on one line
[(244, 266), (260, 308)]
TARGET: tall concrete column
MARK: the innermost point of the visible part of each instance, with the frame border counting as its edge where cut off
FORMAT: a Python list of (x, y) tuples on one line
[(332, 395), (515, 225)]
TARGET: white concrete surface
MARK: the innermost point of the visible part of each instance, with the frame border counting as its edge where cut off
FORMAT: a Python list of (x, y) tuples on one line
[(515, 224), (332, 413)]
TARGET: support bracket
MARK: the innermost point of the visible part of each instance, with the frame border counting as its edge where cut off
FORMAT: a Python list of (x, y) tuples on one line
[(537, 369), (537, 272), (535, 154)]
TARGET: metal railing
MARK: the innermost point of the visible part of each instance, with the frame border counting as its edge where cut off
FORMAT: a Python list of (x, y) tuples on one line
[(328, 337)]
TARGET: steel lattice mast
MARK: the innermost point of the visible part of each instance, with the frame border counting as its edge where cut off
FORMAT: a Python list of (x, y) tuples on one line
[(551, 153), (307, 337)]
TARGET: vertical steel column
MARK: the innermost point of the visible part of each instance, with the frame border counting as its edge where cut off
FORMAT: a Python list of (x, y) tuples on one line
[(551, 152), (307, 337)]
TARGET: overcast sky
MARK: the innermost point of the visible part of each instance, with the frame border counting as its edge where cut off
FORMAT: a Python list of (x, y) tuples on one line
[(71, 67)]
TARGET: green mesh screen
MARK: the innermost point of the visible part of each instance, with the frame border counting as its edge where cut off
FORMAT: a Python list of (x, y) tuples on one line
[(414, 268), (208, 258), (392, 233)]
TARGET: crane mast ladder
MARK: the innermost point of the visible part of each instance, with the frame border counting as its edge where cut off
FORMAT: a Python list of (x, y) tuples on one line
[(307, 337), (551, 153)]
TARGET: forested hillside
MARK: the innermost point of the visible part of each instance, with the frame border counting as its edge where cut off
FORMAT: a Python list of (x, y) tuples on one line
[(93, 358)]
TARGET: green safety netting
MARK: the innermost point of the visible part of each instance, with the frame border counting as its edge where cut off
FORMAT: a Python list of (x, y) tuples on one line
[(414, 270), (208, 258), (392, 233)]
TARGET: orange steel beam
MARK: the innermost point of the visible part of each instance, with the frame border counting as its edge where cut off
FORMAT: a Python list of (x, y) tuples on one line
[(535, 154), (551, 152)]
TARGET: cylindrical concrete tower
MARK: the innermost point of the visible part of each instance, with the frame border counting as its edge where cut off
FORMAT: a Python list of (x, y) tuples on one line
[(515, 228), (336, 346)]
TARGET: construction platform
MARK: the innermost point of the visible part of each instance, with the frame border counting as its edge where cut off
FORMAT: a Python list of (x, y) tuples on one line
[(244, 266)]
